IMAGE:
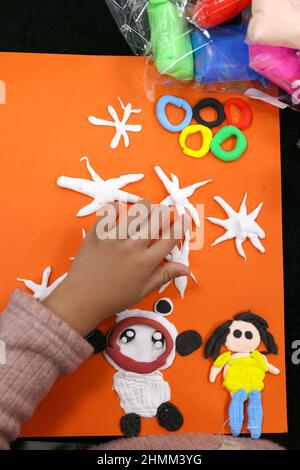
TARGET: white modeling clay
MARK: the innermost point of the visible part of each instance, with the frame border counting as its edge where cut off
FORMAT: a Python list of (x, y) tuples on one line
[(140, 345), (101, 191), (121, 126), (240, 225), (179, 256), (261, 96), (179, 196), (41, 291), (296, 87), (141, 392)]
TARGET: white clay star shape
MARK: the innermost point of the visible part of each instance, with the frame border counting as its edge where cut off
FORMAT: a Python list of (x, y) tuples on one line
[(240, 225), (121, 126), (101, 191), (41, 291), (179, 255), (178, 197)]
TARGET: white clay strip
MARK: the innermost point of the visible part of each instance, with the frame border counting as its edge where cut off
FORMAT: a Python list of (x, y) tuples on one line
[(179, 255)]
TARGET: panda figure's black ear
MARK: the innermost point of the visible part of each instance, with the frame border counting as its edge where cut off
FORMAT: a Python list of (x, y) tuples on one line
[(163, 306), (97, 340), (188, 342)]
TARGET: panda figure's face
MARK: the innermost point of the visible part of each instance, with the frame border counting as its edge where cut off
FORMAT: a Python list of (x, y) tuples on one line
[(142, 342)]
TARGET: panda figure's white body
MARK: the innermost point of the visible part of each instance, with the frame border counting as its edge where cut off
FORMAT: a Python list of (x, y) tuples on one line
[(141, 394)]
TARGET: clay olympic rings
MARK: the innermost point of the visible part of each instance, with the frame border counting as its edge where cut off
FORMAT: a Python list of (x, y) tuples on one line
[(180, 103), (245, 110), (214, 143), (209, 103), (224, 134), (207, 136), (209, 142)]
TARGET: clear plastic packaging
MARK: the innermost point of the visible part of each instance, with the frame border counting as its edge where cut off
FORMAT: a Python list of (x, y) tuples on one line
[(131, 17), (221, 55), (181, 54), (165, 31), (170, 40)]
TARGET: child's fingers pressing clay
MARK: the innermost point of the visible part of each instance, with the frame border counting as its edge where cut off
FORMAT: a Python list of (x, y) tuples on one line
[(119, 262)]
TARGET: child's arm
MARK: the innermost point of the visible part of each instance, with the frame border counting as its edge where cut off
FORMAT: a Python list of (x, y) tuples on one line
[(107, 276), (272, 369), (214, 372), (39, 348)]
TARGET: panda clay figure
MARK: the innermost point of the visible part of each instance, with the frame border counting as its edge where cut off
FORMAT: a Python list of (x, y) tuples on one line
[(139, 346)]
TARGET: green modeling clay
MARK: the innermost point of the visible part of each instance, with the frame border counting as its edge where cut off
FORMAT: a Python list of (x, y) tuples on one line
[(170, 39)]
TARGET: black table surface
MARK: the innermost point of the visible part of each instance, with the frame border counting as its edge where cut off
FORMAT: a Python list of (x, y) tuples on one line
[(86, 27)]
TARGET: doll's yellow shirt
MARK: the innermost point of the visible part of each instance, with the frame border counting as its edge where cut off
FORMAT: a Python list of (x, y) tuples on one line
[(246, 373)]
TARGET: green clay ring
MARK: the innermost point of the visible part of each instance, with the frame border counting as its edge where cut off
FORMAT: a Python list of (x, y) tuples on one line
[(224, 134)]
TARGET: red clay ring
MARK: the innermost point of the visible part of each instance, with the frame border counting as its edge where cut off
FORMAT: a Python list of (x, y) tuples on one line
[(246, 113)]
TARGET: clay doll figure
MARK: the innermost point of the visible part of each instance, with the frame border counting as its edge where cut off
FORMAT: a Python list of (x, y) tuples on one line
[(139, 346), (243, 366)]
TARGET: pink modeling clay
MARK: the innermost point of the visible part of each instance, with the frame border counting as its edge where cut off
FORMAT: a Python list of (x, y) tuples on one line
[(275, 23), (281, 65)]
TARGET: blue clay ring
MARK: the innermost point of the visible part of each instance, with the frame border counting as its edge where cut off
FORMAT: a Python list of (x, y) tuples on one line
[(162, 117)]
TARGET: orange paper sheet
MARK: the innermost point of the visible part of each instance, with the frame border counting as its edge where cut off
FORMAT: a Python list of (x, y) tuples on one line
[(44, 133)]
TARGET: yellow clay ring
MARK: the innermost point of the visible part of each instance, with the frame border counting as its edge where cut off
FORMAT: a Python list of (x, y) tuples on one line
[(207, 136)]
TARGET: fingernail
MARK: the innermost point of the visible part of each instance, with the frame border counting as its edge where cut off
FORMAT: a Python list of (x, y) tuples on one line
[(184, 272)]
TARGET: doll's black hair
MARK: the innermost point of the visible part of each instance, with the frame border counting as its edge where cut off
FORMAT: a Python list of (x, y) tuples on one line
[(218, 338)]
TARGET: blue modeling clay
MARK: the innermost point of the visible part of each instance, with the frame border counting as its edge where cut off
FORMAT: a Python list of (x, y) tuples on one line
[(221, 55), (255, 414), (236, 412)]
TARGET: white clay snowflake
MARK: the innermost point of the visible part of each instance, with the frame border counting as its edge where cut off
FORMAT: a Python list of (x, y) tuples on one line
[(179, 255), (121, 126), (178, 197), (41, 291), (101, 191), (240, 225)]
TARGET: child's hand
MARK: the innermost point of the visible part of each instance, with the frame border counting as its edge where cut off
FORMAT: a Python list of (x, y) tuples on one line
[(108, 276)]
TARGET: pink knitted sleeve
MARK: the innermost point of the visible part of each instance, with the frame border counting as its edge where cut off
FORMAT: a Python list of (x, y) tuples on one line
[(39, 347)]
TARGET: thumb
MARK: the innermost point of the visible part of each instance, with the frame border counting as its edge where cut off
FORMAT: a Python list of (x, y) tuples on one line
[(165, 273)]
